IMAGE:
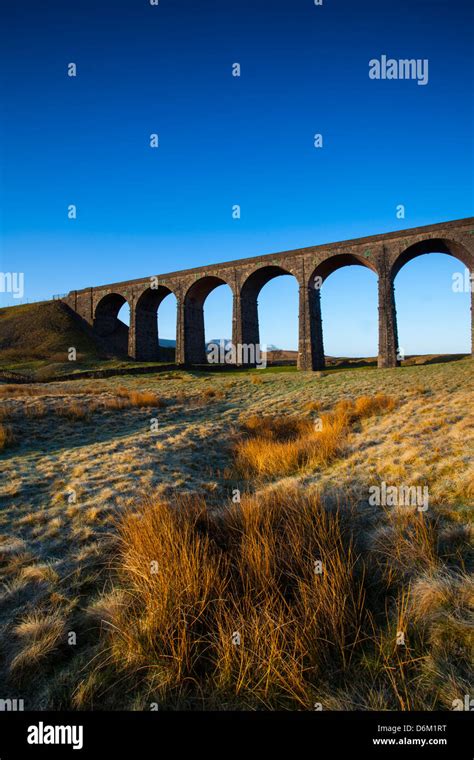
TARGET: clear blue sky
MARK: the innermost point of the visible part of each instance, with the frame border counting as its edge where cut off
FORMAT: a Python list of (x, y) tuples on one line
[(227, 140)]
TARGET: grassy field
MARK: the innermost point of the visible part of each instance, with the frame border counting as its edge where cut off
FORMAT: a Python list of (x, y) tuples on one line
[(208, 540)]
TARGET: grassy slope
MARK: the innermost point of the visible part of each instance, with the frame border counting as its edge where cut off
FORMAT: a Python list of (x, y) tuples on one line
[(36, 335), (35, 338)]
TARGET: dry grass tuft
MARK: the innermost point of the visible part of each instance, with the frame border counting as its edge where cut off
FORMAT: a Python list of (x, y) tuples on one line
[(73, 410), (124, 399), (194, 583), (107, 608), (115, 404), (312, 406), (284, 445), (273, 428), (145, 398), (7, 437), (38, 635), (278, 602), (209, 393), (37, 410), (405, 544), (127, 398), (367, 406), (39, 573)]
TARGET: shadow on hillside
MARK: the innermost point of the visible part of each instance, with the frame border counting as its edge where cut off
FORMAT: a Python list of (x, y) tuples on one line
[(55, 434)]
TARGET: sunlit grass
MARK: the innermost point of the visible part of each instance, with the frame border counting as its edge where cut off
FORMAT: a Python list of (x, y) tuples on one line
[(283, 445)]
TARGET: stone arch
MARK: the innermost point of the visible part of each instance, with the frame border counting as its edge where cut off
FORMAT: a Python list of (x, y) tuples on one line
[(107, 324), (193, 317), (147, 346), (311, 331), (256, 280), (197, 293), (246, 322), (432, 245), (443, 245), (332, 263)]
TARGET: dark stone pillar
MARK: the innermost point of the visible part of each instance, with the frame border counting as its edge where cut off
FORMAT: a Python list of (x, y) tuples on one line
[(236, 320), (388, 334), (245, 330), (180, 355), (193, 347), (310, 328), (146, 334), (132, 331)]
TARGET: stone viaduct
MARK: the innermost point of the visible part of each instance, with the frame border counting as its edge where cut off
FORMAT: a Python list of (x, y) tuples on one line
[(384, 254)]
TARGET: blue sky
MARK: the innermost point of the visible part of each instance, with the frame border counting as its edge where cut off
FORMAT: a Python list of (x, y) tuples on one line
[(226, 140)]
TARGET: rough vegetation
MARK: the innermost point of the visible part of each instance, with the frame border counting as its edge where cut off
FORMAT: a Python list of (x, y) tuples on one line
[(132, 573)]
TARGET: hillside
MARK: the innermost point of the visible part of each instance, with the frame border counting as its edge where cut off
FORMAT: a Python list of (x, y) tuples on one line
[(35, 335), (35, 338)]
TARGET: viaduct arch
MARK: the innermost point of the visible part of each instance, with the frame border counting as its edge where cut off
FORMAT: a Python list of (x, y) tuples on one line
[(384, 254)]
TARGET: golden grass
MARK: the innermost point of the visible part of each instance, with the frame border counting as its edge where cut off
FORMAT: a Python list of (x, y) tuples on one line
[(8, 389), (389, 570), (39, 573), (127, 397), (279, 602), (193, 584), (124, 399), (37, 635), (122, 392), (405, 544), (115, 404), (145, 398), (7, 437), (286, 444), (312, 406), (37, 410), (4, 413), (73, 410)]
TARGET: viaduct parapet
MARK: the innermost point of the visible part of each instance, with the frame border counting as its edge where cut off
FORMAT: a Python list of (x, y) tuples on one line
[(384, 254)]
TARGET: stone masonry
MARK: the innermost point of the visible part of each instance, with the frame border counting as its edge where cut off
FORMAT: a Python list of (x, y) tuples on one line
[(384, 254)]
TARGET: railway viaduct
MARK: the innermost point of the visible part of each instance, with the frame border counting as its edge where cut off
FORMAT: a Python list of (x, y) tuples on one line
[(384, 254)]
